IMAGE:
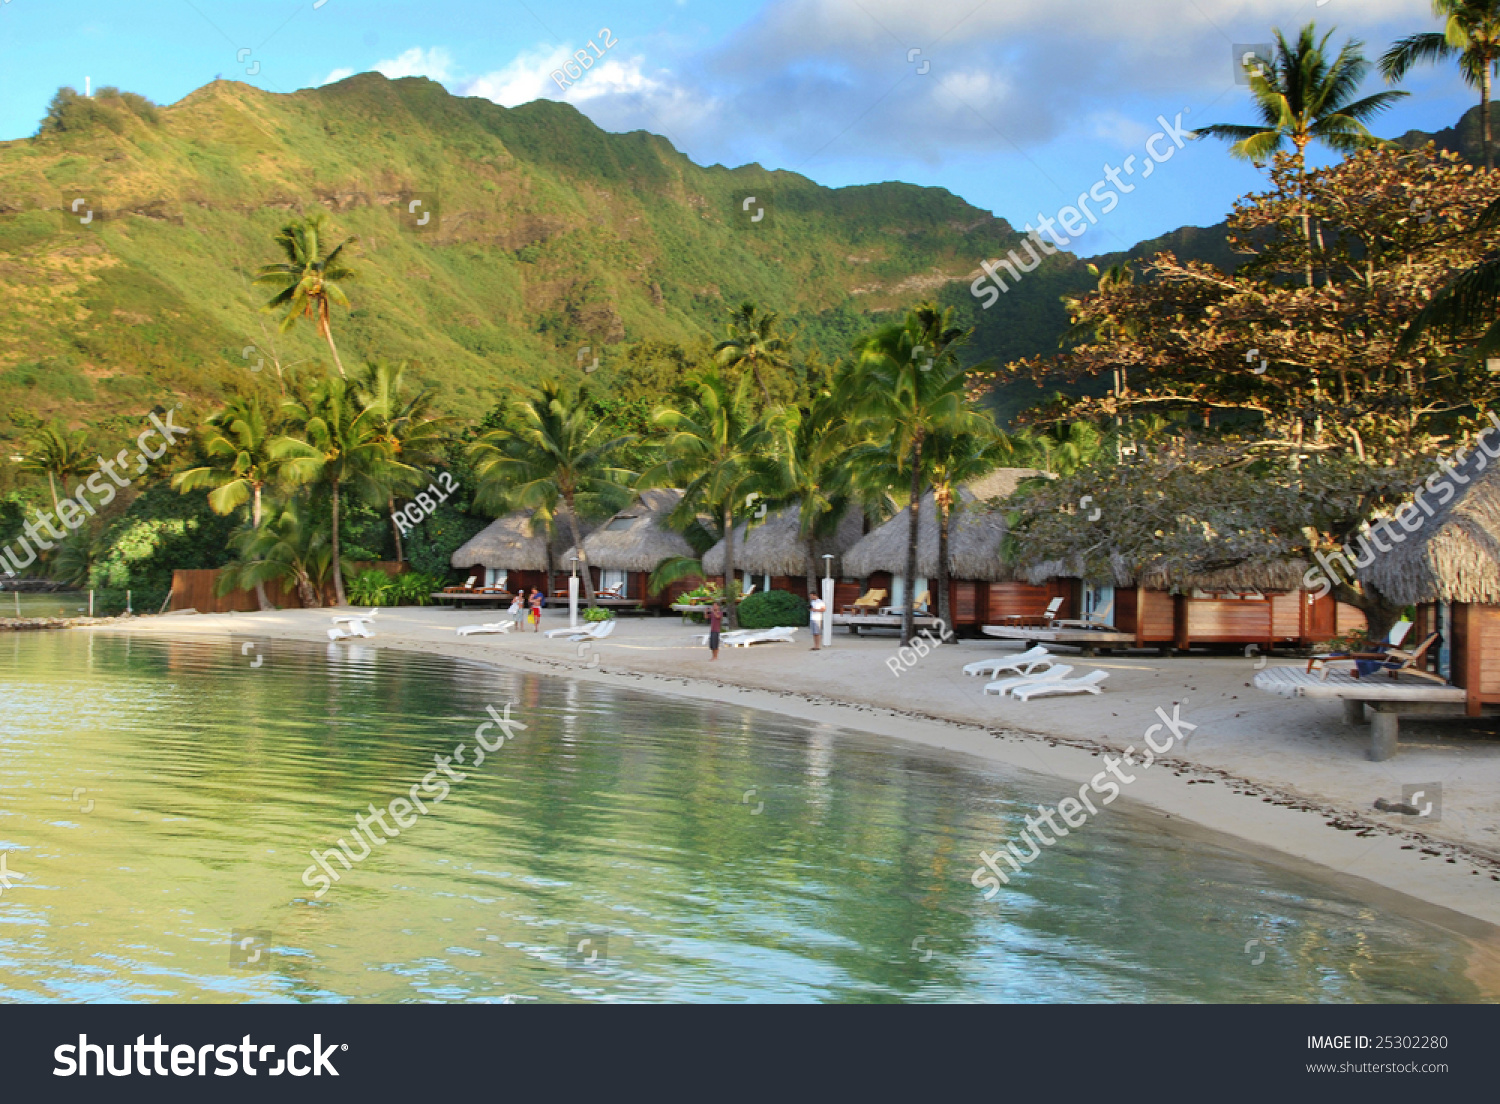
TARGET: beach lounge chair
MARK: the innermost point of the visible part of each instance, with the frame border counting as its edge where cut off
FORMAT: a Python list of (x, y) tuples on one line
[(868, 602), (1099, 619), (597, 631), (743, 638), (491, 627), (1086, 684), (354, 627), (1028, 661), (1004, 686), (1393, 661), (919, 606), (468, 585), (1044, 619), (346, 619)]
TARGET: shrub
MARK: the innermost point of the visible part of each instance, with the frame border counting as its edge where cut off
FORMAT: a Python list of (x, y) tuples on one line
[(769, 609), (598, 613), (370, 588), (412, 589)]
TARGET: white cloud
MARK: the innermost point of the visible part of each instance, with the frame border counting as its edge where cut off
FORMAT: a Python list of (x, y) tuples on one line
[(435, 64), (525, 79)]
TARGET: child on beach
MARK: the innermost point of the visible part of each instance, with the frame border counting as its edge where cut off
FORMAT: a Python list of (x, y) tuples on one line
[(715, 623), (536, 610), (517, 607)]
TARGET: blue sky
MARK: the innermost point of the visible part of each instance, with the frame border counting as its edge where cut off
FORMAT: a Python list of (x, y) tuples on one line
[(1015, 105)]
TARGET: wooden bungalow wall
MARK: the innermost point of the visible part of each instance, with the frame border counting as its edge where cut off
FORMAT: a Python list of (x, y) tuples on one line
[(1474, 654), (194, 589)]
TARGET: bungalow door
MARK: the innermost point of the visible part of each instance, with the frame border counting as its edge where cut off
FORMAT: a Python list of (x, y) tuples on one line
[(614, 580), (1099, 601)]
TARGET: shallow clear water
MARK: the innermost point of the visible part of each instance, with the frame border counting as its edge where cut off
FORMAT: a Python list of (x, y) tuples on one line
[(68, 603), (162, 798)]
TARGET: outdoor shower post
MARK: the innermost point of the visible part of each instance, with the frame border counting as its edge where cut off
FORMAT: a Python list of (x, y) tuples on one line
[(826, 627), (573, 596)]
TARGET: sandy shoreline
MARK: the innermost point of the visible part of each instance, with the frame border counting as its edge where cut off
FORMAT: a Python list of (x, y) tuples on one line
[(1284, 775)]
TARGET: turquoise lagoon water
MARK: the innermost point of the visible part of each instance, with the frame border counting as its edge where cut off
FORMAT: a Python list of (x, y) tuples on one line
[(162, 798)]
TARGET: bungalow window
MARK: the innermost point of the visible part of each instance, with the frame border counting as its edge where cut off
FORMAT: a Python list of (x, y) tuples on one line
[(613, 580), (496, 577), (898, 590)]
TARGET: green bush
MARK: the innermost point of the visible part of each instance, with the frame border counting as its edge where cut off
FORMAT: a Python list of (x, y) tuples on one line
[(370, 588), (769, 609), (412, 589), (598, 613)]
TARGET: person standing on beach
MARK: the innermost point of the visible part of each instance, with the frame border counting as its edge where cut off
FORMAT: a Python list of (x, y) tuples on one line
[(536, 610), (715, 623), (517, 607)]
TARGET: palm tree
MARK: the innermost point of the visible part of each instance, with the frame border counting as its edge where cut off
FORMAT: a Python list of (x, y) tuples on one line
[(1471, 33), (753, 343), (808, 468), (712, 445), (907, 385), (555, 454), (243, 453), (958, 459), (285, 546), (308, 279), (342, 447), (59, 454), (415, 434), (1302, 97), (1470, 300)]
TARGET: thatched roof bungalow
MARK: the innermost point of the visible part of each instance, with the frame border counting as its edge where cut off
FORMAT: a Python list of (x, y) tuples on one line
[(626, 549), (773, 548), (513, 551), (1445, 560)]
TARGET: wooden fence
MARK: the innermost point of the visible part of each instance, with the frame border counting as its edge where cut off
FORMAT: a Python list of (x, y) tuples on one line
[(194, 589)]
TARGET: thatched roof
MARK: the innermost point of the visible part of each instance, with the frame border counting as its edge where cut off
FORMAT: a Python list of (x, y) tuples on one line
[(515, 543), (1455, 555), (975, 534), (1257, 575), (637, 538), (774, 548)]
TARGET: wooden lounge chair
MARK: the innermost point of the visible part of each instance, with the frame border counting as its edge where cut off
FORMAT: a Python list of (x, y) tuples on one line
[(868, 602), (469, 585), (490, 627), (1032, 620), (919, 606), (1056, 671), (1087, 684), (1099, 619), (1393, 661), (1035, 658)]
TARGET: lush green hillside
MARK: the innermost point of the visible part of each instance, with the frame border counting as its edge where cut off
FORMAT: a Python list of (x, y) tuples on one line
[(551, 235)]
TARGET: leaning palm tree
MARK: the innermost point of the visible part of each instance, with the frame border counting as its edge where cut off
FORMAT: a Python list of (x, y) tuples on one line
[(712, 448), (309, 279), (1470, 34), (753, 343), (243, 452), (555, 456), (59, 454), (285, 547), (1303, 97), (341, 447), (907, 386), (415, 434)]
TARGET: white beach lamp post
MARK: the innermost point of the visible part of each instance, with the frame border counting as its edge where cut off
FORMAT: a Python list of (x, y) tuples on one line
[(827, 626), (573, 596)]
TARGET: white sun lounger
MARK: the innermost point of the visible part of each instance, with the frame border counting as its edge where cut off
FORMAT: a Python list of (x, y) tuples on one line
[(597, 631), (353, 627), (490, 627), (1087, 684), (357, 617), (1056, 671), (1023, 664), (783, 634)]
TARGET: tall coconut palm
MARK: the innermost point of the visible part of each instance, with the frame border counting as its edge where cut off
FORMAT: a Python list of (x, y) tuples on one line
[(343, 448), (243, 452), (1470, 34), (753, 343), (1303, 97), (309, 279), (554, 456), (712, 449), (958, 459), (907, 385), (59, 454), (415, 434)]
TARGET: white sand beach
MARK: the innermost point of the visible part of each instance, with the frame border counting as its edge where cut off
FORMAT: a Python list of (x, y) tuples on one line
[(1278, 774)]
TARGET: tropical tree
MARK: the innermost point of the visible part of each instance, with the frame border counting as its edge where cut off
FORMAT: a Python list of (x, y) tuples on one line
[(243, 453), (285, 546), (958, 459), (753, 343), (906, 386), (712, 447), (342, 447), (1303, 97), (554, 455), (415, 434), (1470, 34), (59, 454), (309, 279)]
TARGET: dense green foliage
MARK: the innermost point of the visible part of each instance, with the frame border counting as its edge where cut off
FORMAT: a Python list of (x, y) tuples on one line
[(769, 609)]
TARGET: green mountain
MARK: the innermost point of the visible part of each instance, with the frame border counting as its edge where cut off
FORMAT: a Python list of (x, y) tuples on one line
[(129, 234)]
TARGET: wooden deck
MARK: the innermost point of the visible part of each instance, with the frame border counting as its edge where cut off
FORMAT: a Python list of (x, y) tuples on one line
[(857, 622), (470, 597), (1087, 639), (1388, 698)]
